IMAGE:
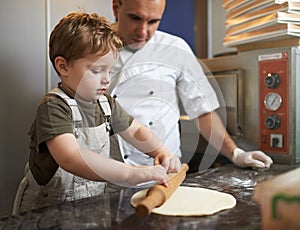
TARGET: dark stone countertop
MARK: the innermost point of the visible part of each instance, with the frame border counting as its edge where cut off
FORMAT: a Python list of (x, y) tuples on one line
[(113, 210)]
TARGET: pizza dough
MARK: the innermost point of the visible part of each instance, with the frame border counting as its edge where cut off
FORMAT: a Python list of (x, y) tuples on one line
[(190, 201)]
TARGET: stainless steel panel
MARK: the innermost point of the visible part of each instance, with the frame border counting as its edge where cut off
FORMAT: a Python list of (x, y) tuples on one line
[(230, 92), (248, 61)]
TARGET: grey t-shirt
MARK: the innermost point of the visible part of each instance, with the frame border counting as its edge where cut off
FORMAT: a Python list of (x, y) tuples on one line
[(54, 117)]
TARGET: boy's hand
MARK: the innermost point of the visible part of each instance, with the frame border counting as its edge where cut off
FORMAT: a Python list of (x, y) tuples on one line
[(140, 175), (169, 161)]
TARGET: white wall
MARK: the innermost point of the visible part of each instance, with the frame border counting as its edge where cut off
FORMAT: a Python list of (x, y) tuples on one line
[(25, 27), (59, 8)]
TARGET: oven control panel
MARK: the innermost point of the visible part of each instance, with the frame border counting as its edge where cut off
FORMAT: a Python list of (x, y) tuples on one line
[(273, 103)]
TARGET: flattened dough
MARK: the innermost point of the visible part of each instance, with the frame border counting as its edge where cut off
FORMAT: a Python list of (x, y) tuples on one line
[(190, 201)]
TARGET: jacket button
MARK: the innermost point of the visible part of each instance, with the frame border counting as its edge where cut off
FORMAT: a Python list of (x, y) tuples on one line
[(150, 123), (115, 96), (125, 156), (151, 92)]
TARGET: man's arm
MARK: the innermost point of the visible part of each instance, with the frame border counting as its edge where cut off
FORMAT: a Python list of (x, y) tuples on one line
[(213, 130), (210, 125)]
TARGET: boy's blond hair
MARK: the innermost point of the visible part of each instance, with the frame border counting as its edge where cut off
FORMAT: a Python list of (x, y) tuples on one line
[(79, 34)]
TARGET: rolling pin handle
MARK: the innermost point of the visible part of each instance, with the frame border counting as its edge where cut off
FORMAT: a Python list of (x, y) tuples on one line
[(154, 199), (158, 194), (142, 211)]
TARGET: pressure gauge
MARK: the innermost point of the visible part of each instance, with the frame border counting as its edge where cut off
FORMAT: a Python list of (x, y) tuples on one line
[(273, 101)]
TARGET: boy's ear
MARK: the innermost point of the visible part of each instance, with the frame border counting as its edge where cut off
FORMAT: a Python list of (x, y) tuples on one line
[(61, 65)]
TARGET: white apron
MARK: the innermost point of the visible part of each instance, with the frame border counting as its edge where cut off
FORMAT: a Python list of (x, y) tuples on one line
[(65, 186)]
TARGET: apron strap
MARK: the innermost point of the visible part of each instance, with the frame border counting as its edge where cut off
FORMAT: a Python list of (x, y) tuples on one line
[(77, 118), (107, 111)]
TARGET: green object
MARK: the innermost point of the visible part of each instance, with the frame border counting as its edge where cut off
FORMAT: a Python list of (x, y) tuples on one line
[(285, 198)]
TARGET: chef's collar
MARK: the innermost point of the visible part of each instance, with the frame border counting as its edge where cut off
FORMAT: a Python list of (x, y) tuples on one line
[(125, 54), (130, 50)]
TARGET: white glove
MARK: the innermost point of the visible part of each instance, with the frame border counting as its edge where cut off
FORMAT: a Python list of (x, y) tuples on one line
[(254, 159)]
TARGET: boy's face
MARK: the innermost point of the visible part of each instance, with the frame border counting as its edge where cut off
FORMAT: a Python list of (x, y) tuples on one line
[(89, 77)]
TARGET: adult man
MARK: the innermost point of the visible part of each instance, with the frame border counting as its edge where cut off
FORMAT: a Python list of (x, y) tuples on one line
[(154, 72)]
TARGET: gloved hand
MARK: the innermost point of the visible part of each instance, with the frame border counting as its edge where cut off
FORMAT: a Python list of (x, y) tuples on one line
[(254, 159)]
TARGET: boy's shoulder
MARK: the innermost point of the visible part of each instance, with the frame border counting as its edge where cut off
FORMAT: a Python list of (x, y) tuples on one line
[(51, 101), (51, 97)]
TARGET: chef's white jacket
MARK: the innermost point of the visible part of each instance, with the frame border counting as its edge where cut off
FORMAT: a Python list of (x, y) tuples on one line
[(150, 82)]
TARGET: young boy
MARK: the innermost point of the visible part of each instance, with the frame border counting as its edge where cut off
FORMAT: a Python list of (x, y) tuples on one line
[(69, 148)]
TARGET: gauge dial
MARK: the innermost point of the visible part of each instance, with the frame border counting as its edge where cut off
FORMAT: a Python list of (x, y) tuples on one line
[(272, 80), (273, 101)]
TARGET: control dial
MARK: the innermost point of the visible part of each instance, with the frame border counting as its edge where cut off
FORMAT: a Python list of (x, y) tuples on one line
[(272, 80), (272, 122), (273, 101)]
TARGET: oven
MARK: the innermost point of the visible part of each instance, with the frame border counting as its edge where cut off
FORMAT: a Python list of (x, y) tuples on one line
[(261, 91)]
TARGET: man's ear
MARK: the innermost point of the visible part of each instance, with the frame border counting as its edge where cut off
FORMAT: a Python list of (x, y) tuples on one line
[(61, 65), (115, 8)]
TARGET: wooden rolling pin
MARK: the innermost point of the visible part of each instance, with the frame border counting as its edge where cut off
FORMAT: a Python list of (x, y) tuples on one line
[(159, 194)]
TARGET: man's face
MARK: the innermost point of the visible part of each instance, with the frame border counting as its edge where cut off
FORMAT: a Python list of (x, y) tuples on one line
[(138, 20)]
